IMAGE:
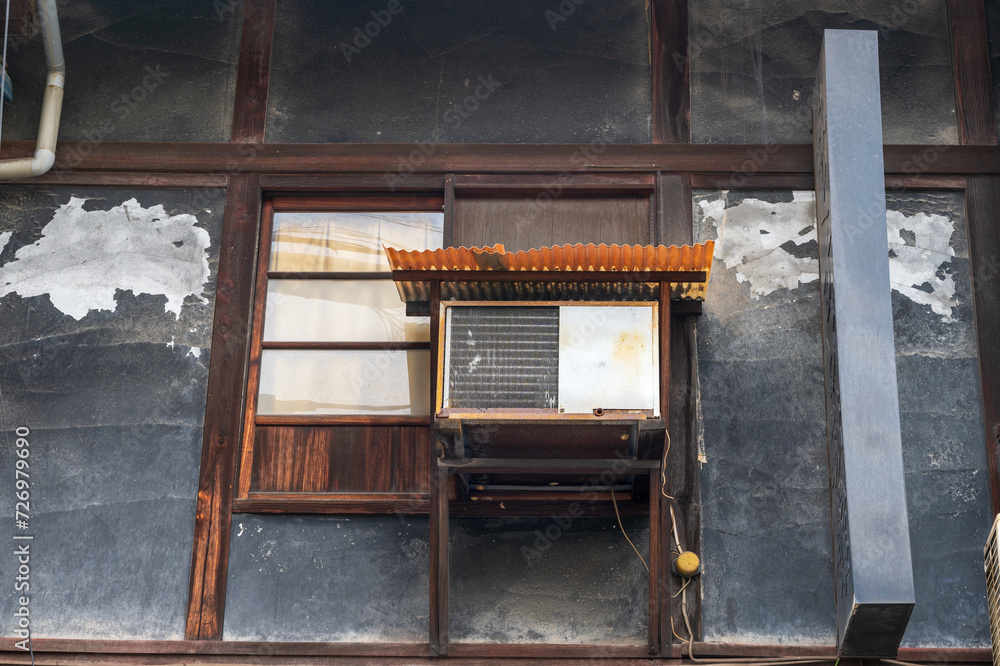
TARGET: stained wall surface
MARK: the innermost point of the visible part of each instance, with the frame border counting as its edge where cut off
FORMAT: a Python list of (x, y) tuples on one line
[(765, 493), (106, 303)]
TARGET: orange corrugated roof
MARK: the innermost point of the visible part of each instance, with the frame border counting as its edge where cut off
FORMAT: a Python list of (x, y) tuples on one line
[(570, 258), (577, 257)]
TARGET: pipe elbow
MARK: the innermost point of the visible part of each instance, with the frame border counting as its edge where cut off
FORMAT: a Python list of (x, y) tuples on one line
[(42, 162)]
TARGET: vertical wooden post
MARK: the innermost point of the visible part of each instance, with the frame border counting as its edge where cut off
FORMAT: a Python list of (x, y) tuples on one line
[(223, 418), (977, 126), (669, 55), (230, 338), (438, 615)]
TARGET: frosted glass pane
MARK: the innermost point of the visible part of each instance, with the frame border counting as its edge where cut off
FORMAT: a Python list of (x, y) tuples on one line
[(295, 381), (334, 241), (339, 311)]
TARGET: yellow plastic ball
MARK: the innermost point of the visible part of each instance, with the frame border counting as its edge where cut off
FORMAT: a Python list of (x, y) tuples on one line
[(687, 564)]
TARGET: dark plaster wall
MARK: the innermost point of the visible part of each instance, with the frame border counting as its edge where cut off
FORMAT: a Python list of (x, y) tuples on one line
[(115, 403), (365, 579), (569, 75), (766, 531), (157, 70), (753, 67), (993, 35)]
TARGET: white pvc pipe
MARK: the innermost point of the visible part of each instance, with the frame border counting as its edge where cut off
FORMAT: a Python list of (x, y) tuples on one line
[(48, 123)]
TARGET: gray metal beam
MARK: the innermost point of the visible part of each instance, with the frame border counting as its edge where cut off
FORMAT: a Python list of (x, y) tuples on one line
[(872, 564)]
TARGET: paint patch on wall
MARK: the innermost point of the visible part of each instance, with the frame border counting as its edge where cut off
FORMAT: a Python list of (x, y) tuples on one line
[(84, 257), (4, 239), (773, 246)]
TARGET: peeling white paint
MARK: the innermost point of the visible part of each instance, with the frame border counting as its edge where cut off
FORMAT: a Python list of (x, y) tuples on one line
[(751, 235), (4, 239), (194, 351), (83, 257), (916, 263)]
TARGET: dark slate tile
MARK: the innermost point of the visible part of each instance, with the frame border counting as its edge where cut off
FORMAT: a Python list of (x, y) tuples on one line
[(162, 70), (460, 72), (548, 580), (319, 578), (753, 68)]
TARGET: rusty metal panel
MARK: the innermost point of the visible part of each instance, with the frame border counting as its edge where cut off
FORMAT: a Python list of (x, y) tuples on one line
[(608, 358)]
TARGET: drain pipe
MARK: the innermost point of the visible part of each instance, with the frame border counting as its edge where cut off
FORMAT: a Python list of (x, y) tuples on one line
[(48, 124)]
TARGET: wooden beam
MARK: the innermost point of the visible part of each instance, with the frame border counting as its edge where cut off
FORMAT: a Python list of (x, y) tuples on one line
[(669, 56), (970, 57), (250, 109), (736, 160), (226, 395), (977, 125), (75, 650)]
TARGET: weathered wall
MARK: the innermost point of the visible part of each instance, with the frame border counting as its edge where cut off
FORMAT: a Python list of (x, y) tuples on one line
[(768, 559), (753, 67), (475, 72), (106, 302), (156, 70), (365, 578)]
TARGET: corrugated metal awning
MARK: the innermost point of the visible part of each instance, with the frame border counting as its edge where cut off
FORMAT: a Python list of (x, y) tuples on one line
[(558, 273)]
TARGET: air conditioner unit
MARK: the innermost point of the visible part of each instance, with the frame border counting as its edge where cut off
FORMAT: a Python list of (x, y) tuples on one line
[(991, 557), (548, 360)]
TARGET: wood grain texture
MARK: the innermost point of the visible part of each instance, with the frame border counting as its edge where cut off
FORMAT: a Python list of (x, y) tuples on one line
[(286, 184), (341, 459), (669, 60), (63, 650), (970, 57), (250, 109), (294, 159), (530, 222), (227, 370), (358, 202)]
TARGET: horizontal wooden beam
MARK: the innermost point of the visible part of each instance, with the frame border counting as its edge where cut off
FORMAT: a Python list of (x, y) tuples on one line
[(64, 650), (394, 163), (547, 465)]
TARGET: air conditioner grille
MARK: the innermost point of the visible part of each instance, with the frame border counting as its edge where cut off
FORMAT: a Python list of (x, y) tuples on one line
[(503, 357), (992, 562)]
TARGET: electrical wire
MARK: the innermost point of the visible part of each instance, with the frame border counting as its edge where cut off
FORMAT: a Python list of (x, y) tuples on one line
[(663, 468), (622, 528)]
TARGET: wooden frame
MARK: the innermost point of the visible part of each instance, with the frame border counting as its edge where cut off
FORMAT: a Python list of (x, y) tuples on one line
[(244, 495)]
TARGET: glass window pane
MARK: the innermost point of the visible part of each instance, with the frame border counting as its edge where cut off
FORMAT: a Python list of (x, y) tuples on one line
[(336, 241), (295, 381), (339, 311)]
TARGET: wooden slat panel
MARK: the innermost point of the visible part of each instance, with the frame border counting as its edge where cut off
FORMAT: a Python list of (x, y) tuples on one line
[(340, 459), (250, 109), (526, 223), (669, 55), (227, 370), (279, 183), (333, 158)]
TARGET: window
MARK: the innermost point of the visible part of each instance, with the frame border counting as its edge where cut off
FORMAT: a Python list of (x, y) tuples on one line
[(338, 395)]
